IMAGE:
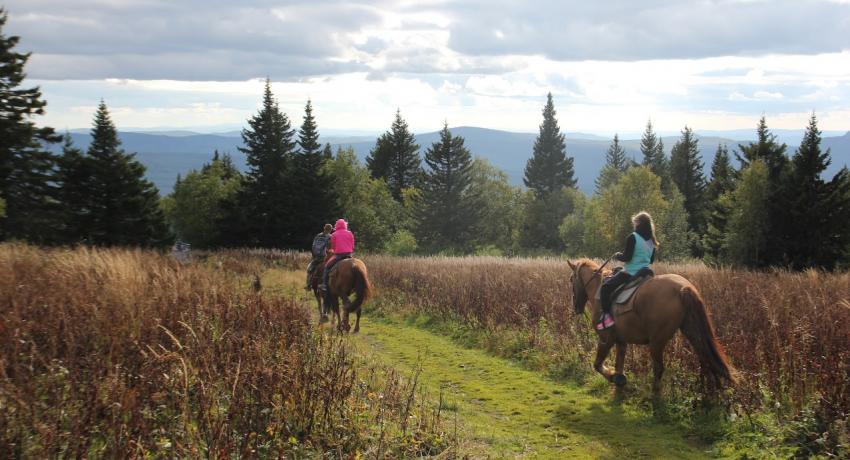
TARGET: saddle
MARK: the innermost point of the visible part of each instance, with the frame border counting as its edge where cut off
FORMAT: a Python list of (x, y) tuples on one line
[(624, 293), (336, 265)]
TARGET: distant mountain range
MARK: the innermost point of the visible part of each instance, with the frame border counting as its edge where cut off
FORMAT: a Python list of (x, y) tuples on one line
[(169, 153)]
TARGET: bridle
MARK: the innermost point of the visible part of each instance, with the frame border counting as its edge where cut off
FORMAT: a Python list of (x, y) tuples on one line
[(596, 273)]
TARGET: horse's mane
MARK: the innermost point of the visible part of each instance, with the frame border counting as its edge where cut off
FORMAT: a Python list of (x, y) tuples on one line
[(590, 263)]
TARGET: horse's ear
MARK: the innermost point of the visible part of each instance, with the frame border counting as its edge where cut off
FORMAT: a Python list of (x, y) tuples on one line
[(572, 265)]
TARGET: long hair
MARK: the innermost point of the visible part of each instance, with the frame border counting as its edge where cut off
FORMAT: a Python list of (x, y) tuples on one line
[(645, 227)]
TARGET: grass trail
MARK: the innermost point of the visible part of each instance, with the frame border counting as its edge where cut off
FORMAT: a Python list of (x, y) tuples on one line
[(508, 411), (514, 412)]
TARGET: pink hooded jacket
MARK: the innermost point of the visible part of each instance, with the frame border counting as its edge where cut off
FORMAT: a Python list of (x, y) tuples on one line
[(342, 241)]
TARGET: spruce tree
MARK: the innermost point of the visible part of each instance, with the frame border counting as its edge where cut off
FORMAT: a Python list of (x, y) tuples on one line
[(549, 169), (74, 179), (766, 149), (124, 205), (652, 148), (26, 167), (448, 206), (686, 173), (717, 205), (395, 158), (649, 145), (616, 164), (816, 231), (314, 203), (266, 205)]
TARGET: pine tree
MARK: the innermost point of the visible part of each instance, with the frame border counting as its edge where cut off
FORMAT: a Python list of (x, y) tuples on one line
[(649, 145), (717, 207), (26, 167), (652, 148), (74, 178), (448, 204), (395, 158), (766, 149), (124, 205), (266, 207), (817, 236), (687, 175), (616, 163), (313, 201), (549, 169)]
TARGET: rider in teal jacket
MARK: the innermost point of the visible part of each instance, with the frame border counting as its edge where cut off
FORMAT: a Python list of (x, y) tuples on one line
[(638, 254)]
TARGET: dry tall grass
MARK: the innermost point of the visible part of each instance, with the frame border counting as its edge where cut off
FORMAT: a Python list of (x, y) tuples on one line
[(787, 333), (122, 353)]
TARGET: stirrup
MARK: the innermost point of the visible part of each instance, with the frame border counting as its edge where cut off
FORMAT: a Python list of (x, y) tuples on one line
[(605, 322)]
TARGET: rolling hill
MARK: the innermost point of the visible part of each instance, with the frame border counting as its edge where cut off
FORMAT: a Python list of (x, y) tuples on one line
[(167, 154)]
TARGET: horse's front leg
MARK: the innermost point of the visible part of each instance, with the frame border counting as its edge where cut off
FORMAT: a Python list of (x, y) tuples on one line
[(603, 347), (619, 375), (323, 314), (656, 351)]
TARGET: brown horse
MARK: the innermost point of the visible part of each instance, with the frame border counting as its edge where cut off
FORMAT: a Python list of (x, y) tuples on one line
[(349, 276), (662, 305), (315, 281)]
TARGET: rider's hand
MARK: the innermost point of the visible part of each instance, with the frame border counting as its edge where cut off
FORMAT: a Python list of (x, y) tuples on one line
[(618, 255)]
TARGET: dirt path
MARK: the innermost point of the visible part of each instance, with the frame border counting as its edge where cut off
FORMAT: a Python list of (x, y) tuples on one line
[(511, 412)]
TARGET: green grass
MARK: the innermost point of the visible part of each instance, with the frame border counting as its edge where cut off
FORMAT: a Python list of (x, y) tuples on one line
[(511, 411)]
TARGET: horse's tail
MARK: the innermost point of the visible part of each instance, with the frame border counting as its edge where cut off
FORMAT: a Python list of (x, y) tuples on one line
[(362, 286), (699, 331)]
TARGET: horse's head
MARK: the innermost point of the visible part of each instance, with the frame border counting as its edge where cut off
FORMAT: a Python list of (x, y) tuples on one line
[(579, 288)]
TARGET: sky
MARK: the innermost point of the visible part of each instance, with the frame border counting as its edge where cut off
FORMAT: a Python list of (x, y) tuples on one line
[(610, 65)]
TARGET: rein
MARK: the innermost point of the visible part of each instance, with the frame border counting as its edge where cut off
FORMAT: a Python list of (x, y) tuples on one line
[(596, 273)]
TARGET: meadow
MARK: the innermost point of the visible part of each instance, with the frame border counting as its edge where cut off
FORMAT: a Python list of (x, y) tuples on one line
[(131, 354), (787, 334)]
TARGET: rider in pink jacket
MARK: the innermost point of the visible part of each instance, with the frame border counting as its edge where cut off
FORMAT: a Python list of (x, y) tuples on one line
[(342, 245)]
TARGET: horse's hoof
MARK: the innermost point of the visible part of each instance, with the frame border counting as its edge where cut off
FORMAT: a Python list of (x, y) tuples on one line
[(324, 319), (620, 380)]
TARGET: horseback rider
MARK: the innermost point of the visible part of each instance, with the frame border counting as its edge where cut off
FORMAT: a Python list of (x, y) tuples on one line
[(321, 244), (638, 255), (342, 245)]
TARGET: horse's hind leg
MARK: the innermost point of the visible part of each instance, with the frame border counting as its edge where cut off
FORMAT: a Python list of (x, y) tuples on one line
[(346, 306), (603, 347), (357, 324), (656, 351)]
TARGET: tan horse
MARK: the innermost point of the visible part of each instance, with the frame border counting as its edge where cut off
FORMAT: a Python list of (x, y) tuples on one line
[(349, 276), (662, 305)]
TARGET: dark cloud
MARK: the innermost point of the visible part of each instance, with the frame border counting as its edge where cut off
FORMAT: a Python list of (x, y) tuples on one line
[(285, 40), (624, 30), (207, 40)]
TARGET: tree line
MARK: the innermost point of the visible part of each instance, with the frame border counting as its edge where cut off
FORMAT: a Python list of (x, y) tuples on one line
[(774, 208)]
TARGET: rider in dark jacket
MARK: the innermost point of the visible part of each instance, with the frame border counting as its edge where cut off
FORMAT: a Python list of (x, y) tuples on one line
[(321, 244)]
